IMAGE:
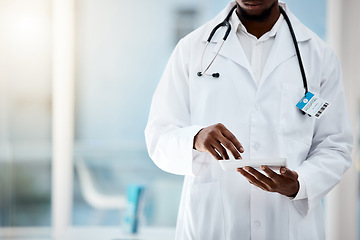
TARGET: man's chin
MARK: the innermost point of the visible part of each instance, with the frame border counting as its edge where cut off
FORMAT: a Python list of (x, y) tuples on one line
[(255, 12)]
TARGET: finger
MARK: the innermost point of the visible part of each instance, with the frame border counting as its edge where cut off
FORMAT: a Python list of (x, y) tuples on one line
[(288, 173), (233, 140), (261, 177), (220, 149), (230, 146), (252, 179), (212, 151), (270, 173)]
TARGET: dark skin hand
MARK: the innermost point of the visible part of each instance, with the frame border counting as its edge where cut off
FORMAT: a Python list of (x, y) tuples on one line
[(258, 16), (214, 139), (217, 138), (285, 183)]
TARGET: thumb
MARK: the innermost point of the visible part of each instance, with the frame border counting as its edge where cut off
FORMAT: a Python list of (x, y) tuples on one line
[(288, 173)]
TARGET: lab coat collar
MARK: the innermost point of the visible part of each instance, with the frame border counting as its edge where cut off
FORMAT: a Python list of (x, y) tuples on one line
[(282, 49)]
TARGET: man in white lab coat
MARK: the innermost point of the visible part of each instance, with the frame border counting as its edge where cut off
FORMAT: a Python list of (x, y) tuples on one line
[(248, 110)]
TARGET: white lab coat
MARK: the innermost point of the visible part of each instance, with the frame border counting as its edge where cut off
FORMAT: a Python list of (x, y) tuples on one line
[(217, 205)]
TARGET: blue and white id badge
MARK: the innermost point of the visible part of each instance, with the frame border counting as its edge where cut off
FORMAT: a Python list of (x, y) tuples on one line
[(312, 105)]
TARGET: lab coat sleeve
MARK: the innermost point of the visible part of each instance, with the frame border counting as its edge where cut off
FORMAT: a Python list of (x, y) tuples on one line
[(169, 134), (330, 153), (302, 190)]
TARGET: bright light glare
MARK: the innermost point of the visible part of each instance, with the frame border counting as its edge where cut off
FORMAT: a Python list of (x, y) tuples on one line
[(23, 24), (27, 27), (25, 43)]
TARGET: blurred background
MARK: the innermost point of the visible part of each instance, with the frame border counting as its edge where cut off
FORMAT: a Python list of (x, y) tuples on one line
[(118, 50)]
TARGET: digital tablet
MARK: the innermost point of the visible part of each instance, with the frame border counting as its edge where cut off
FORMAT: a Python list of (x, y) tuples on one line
[(233, 165)]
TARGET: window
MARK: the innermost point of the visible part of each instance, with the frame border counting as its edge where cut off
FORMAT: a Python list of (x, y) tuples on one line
[(25, 114)]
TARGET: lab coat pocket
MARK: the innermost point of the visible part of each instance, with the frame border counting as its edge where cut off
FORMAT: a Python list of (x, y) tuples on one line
[(294, 125), (310, 226), (206, 211)]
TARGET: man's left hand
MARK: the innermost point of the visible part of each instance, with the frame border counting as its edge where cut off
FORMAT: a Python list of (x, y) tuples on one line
[(285, 183)]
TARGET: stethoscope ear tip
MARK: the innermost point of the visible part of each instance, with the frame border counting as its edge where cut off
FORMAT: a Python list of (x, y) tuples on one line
[(216, 75), (199, 74)]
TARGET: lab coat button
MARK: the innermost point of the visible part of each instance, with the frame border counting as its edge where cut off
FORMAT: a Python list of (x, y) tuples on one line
[(257, 106), (256, 146), (257, 224)]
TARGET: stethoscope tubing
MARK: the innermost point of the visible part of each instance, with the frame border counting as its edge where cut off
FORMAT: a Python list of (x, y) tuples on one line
[(302, 70), (226, 23)]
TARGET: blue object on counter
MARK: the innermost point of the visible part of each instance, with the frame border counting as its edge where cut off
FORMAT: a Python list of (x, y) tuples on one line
[(134, 193)]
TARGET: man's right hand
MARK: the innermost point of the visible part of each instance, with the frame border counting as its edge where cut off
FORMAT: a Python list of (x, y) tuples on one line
[(214, 139)]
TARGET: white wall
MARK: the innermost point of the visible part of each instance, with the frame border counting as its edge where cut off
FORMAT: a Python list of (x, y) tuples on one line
[(343, 24)]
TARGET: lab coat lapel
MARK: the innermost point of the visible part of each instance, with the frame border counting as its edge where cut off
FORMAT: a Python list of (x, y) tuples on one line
[(283, 47), (232, 49)]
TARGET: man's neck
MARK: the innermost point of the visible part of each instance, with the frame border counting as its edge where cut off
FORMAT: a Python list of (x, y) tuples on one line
[(260, 27)]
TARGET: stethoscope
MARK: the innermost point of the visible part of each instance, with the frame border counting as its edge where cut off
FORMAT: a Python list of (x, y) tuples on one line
[(226, 24)]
